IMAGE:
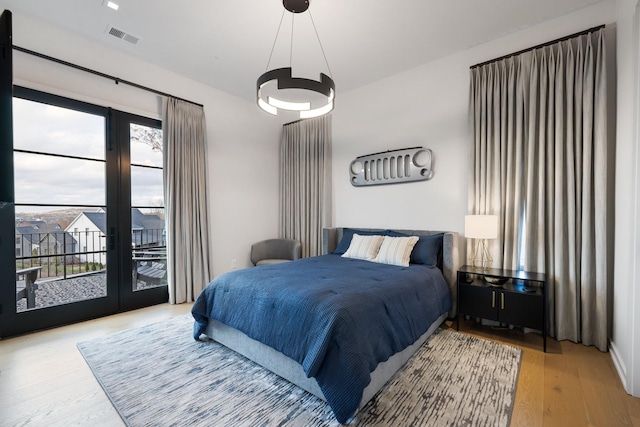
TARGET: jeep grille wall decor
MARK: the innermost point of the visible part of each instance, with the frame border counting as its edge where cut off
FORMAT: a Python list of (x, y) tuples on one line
[(392, 167)]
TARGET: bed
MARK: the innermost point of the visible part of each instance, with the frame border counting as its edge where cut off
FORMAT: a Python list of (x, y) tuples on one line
[(337, 327)]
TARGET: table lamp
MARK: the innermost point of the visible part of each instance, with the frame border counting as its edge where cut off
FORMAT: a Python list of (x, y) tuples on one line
[(481, 228)]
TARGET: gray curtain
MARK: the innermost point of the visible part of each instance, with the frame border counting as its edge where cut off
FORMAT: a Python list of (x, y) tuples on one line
[(539, 161), (305, 182), (185, 196)]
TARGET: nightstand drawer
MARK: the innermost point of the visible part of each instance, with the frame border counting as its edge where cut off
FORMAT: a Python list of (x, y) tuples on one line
[(516, 298), (477, 301), (522, 310)]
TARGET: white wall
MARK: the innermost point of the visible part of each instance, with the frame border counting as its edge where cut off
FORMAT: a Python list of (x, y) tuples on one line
[(625, 342), (242, 142), (422, 107), (425, 106)]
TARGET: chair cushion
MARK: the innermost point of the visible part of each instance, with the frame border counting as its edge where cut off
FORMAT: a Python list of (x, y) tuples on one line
[(285, 249)]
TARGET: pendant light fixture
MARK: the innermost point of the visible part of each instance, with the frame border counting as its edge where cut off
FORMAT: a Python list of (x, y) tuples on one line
[(277, 89)]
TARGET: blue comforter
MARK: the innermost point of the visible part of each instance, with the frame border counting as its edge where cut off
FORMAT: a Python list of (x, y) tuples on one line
[(338, 317)]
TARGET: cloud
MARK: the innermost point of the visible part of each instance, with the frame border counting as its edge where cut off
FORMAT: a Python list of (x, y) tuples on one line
[(52, 180)]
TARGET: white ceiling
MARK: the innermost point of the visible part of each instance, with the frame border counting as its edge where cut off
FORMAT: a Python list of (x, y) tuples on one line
[(226, 43)]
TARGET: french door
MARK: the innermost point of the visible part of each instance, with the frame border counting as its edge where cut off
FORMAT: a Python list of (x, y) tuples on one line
[(140, 201), (88, 217)]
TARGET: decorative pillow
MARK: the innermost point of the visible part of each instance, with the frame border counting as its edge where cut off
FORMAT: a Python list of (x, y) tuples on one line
[(347, 234), (396, 250), (364, 247), (427, 250)]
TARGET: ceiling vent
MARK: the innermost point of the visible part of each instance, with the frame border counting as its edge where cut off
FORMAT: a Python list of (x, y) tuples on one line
[(122, 35)]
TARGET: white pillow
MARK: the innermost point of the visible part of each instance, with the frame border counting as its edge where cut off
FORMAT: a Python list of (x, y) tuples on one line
[(363, 247), (396, 250)]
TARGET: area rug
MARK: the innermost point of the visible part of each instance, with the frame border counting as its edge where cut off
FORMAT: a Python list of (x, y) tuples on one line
[(158, 375)]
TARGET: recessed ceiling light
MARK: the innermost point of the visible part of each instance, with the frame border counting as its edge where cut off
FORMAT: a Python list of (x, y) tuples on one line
[(112, 5)]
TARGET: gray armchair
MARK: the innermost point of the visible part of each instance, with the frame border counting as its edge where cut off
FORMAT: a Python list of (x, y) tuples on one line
[(274, 251)]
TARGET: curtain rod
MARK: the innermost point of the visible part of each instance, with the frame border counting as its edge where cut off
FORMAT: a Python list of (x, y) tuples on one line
[(293, 122), (117, 80), (298, 121), (561, 39)]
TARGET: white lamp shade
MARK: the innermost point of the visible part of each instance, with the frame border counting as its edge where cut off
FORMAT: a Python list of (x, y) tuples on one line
[(481, 226)]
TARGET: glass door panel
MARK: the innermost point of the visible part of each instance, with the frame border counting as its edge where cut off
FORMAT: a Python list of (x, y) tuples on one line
[(60, 211), (149, 253)]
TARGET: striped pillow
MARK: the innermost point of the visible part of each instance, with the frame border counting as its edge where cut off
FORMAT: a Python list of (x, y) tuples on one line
[(396, 250), (364, 247)]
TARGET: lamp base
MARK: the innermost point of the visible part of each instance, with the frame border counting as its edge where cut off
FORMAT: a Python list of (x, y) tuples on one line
[(480, 256)]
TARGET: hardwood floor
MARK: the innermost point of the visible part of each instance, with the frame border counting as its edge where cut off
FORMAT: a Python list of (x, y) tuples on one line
[(570, 385), (45, 381)]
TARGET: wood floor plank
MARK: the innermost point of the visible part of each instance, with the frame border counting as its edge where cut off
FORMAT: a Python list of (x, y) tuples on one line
[(605, 404), (563, 393), (529, 404), (633, 407)]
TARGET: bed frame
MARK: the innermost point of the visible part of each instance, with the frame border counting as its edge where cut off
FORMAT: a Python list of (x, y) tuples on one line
[(292, 371)]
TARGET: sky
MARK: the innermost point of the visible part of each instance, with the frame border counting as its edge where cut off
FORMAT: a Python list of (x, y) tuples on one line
[(50, 180)]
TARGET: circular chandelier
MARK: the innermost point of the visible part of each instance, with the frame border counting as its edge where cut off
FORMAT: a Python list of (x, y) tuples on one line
[(278, 90)]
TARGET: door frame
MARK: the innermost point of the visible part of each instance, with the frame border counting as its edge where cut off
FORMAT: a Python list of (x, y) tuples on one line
[(7, 209), (120, 295), (130, 299)]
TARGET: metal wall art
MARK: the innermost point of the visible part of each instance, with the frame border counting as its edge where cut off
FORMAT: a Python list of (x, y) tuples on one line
[(392, 167)]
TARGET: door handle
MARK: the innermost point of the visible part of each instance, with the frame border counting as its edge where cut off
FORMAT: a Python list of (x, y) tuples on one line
[(493, 299), (502, 301)]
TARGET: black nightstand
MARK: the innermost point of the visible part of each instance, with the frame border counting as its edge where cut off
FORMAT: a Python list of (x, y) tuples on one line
[(520, 300)]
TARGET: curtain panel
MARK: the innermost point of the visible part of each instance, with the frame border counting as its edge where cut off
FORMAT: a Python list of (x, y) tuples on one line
[(305, 182), (539, 161), (185, 195)]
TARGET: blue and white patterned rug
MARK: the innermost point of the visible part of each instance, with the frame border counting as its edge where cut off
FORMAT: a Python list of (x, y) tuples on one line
[(158, 375)]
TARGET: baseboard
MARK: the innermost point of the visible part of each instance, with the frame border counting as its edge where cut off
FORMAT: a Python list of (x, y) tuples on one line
[(619, 365)]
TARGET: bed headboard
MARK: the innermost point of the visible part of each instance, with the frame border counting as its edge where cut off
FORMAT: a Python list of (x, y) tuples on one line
[(452, 253)]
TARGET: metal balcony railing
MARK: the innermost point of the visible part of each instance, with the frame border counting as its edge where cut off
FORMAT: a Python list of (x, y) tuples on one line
[(63, 254)]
